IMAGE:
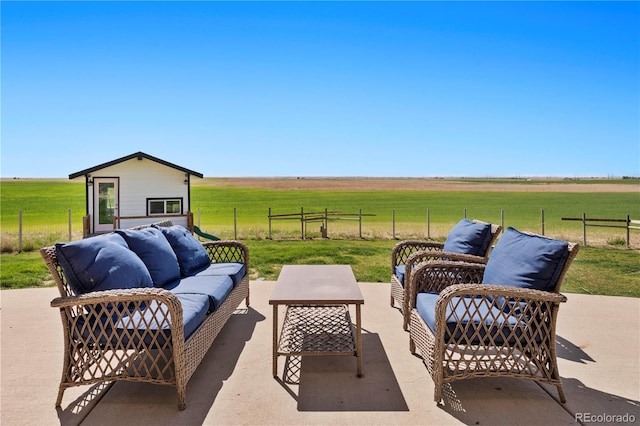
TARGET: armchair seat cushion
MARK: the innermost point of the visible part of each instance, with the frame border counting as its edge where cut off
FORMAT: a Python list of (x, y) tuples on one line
[(468, 237), (102, 263), (215, 287), (476, 318), (526, 261), (234, 270)]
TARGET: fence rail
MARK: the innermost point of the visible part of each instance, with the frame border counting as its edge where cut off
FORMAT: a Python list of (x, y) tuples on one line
[(322, 216), (605, 223)]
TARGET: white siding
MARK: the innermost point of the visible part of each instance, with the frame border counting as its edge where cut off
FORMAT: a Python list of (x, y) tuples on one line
[(140, 180)]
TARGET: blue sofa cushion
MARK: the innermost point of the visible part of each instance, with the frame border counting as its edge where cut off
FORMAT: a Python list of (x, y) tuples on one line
[(217, 288), (499, 324), (101, 263), (526, 261), (232, 269), (155, 251), (468, 237), (192, 256)]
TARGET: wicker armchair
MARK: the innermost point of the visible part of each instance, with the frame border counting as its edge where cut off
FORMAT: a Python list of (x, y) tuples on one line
[(407, 254), (100, 345), (486, 329)]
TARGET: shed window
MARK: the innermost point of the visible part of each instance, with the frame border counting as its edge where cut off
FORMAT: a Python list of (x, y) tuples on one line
[(159, 206)]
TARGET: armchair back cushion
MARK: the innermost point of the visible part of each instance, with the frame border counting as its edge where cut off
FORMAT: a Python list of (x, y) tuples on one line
[(101, 263), (468, 237), (526, 261), (191, 254), (155, 251)]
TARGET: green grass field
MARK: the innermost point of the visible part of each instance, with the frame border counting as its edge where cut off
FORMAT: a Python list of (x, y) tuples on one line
[(603, 268)]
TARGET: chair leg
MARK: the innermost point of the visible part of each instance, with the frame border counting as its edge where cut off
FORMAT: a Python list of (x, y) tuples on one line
[(437, 393), (59, 400), (412, 345), (181, 399), (392, 302), (561, 394)]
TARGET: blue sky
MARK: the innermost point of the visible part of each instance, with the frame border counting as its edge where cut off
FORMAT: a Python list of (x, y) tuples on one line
[(323, 88)]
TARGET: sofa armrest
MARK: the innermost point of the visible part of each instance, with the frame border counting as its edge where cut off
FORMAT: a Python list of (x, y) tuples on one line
[(404, 249), (227, 251), (101, 316)]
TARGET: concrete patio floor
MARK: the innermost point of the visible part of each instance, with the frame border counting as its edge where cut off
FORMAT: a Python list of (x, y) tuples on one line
[(598, 349)]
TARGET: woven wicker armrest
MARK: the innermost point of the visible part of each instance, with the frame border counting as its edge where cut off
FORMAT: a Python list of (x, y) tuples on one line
[(435, 276), (118, 304), (146, 294), (227, 251), (425, 256), (531, 315), (404, 249), (499, 291)]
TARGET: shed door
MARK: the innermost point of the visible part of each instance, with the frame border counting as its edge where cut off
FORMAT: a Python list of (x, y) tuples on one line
[(105, 203)]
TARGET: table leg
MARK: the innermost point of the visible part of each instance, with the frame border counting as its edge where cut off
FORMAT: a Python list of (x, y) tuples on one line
[(359, 341), (275, 341)]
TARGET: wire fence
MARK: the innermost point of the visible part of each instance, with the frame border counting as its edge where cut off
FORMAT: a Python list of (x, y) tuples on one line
[(29, 235)]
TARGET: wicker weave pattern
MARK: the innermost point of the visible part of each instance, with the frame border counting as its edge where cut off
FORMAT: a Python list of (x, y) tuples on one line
[(317, 330), (412, 252), (486, 347), (100, 346)]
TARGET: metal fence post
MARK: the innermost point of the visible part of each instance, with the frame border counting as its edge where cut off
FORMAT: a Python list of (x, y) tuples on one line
[(302, 222), (269, 222), (584, 229), (393, 224), (428, 223), (360, 223), (502, 219), (20, 231), (542, 220), (70, 234), (235, 225)]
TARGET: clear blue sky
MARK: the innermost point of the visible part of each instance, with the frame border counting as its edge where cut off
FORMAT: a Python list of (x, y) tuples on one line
[(323, 88)]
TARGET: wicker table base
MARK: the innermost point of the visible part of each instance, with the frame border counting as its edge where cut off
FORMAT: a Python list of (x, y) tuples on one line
[(317, 319), (317, 330)]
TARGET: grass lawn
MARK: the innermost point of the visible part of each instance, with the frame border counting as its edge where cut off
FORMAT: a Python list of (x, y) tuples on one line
[(606, 268)]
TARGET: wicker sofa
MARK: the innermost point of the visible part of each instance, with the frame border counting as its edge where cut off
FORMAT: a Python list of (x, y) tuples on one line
[(495, 319), (143, 304), (468, 241)]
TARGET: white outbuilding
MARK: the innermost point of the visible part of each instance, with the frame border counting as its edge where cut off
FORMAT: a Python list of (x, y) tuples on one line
[(136, 190)]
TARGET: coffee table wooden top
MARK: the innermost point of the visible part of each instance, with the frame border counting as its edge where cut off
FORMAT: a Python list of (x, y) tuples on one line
[(316, 284)]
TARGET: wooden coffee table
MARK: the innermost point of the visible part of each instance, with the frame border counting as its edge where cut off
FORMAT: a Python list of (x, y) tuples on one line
[(317, 320)]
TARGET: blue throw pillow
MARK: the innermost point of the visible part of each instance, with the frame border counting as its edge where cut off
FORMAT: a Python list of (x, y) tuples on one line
[(468, 237), (192, 256), (155, 251), (526, 261), (101, 263)]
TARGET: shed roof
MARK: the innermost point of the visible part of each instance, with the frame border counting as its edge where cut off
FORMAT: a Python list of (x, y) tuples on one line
[(139, 155)]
